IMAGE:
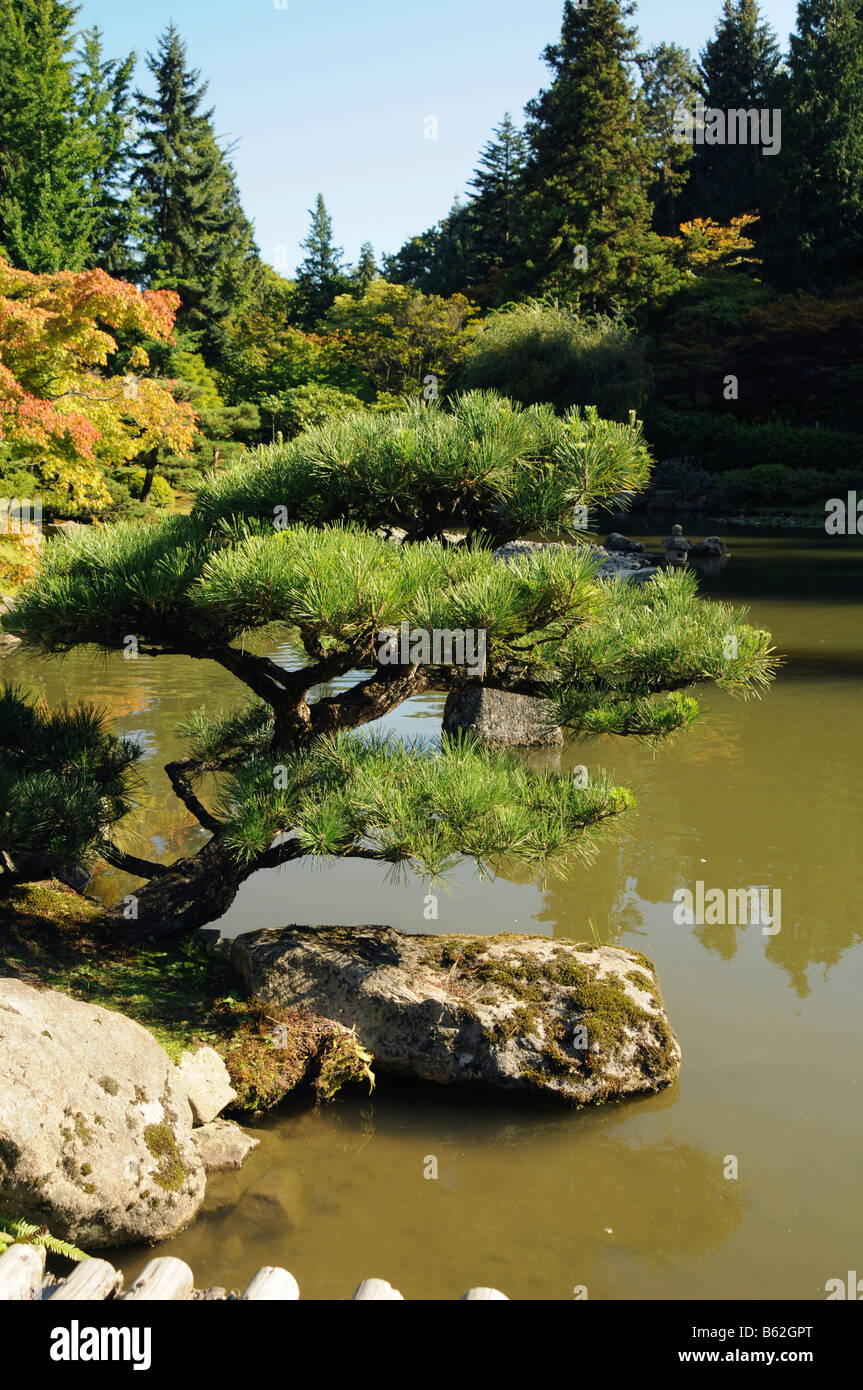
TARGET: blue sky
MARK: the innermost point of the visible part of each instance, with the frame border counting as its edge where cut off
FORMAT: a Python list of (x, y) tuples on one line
[(332, 96)]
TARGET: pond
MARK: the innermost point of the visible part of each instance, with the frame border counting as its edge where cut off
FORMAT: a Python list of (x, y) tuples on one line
[(630, 1200)]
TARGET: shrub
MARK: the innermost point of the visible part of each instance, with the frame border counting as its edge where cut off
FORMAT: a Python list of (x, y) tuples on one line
[(161, 492), (300, 407), (538, 352), (723, 443)]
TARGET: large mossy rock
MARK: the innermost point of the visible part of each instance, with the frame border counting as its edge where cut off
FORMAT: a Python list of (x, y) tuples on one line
[(95, 1123), (500, 717), (520, 1013)]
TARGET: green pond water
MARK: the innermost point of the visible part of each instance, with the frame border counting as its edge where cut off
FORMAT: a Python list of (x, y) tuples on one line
[(629, 1200)]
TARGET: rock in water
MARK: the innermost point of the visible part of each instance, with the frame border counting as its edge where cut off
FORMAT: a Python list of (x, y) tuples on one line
[(520, 1013), (204, 1077), (499, 716), (95, 1129), (222, 1144)]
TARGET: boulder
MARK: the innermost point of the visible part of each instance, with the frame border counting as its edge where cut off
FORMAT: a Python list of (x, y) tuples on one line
[(519, 1013), (8, 642), (95, 1131), (711, 548), (223, 1145), (615, 541), (498, 716), (204, 1078)]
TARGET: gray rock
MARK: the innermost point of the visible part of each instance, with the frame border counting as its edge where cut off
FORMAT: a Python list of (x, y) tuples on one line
[(204, 1078), (222, 1145), (497, 716), (95, 1132), (640, 576), (711, 548), (8, 642), (615, 541), (60, 529), (519, 1013)]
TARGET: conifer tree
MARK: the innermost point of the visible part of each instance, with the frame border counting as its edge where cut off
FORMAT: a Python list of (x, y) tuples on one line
[(194, 232), (366, 269), (105, 107), (46, 221), (737, 70), (588, 216), (813, 214), (295, 538), (321, 274), (669, 82)]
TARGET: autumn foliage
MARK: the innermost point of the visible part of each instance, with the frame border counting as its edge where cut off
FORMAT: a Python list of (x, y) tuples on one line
[(62, 408)]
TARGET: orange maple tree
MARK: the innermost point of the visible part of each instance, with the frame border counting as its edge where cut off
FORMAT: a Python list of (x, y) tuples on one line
[(62, 409)]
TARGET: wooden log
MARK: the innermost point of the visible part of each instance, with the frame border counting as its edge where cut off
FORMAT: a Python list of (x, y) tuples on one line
[(89, 1281), (376, 1289), (476, 1294), (164, 1278), (271, 1283), (22, 1269)]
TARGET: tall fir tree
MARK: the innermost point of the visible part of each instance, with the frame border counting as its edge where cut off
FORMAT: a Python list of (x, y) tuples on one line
[(813, 214), (495, 209), (737, 70), (194, 231), (105, 106), (365, 270), (588, 217), (669, 82), (46, 219), (321, 275)]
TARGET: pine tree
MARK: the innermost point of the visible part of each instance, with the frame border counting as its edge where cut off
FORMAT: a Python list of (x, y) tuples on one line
[(321, 275), (194, 232), (104, 100), (494, 212), (46, 221), (366, 269), (737, 69), (292, 780), (669, 82), (813, 214), (588, 217)]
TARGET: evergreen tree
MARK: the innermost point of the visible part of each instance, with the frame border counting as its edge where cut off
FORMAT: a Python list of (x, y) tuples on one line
[(813, 214), (588, 217), (669, 82), (365, 271), (737, 69), (46, 221), (494, 213), (194, 231), (321, 275), (103, 95)]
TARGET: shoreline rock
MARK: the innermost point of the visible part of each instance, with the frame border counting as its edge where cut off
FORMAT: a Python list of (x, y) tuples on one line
[(530, 1014), (97, 1137)]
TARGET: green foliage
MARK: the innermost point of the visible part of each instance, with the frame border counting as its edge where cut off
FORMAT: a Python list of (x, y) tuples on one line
[(161, 492), (813, 211), (484, 465), (418, 806), (64, 783), (321, 275), (536, 352), (588, 170), (738, 71), (775, 485), (195, 237), (395, 338), (46, 220), (300, 407), (15, 1230), (647, 639), (669, 83), (720, 442)]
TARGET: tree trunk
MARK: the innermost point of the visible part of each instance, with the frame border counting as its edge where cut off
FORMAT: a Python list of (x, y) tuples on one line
[(194, 892)]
